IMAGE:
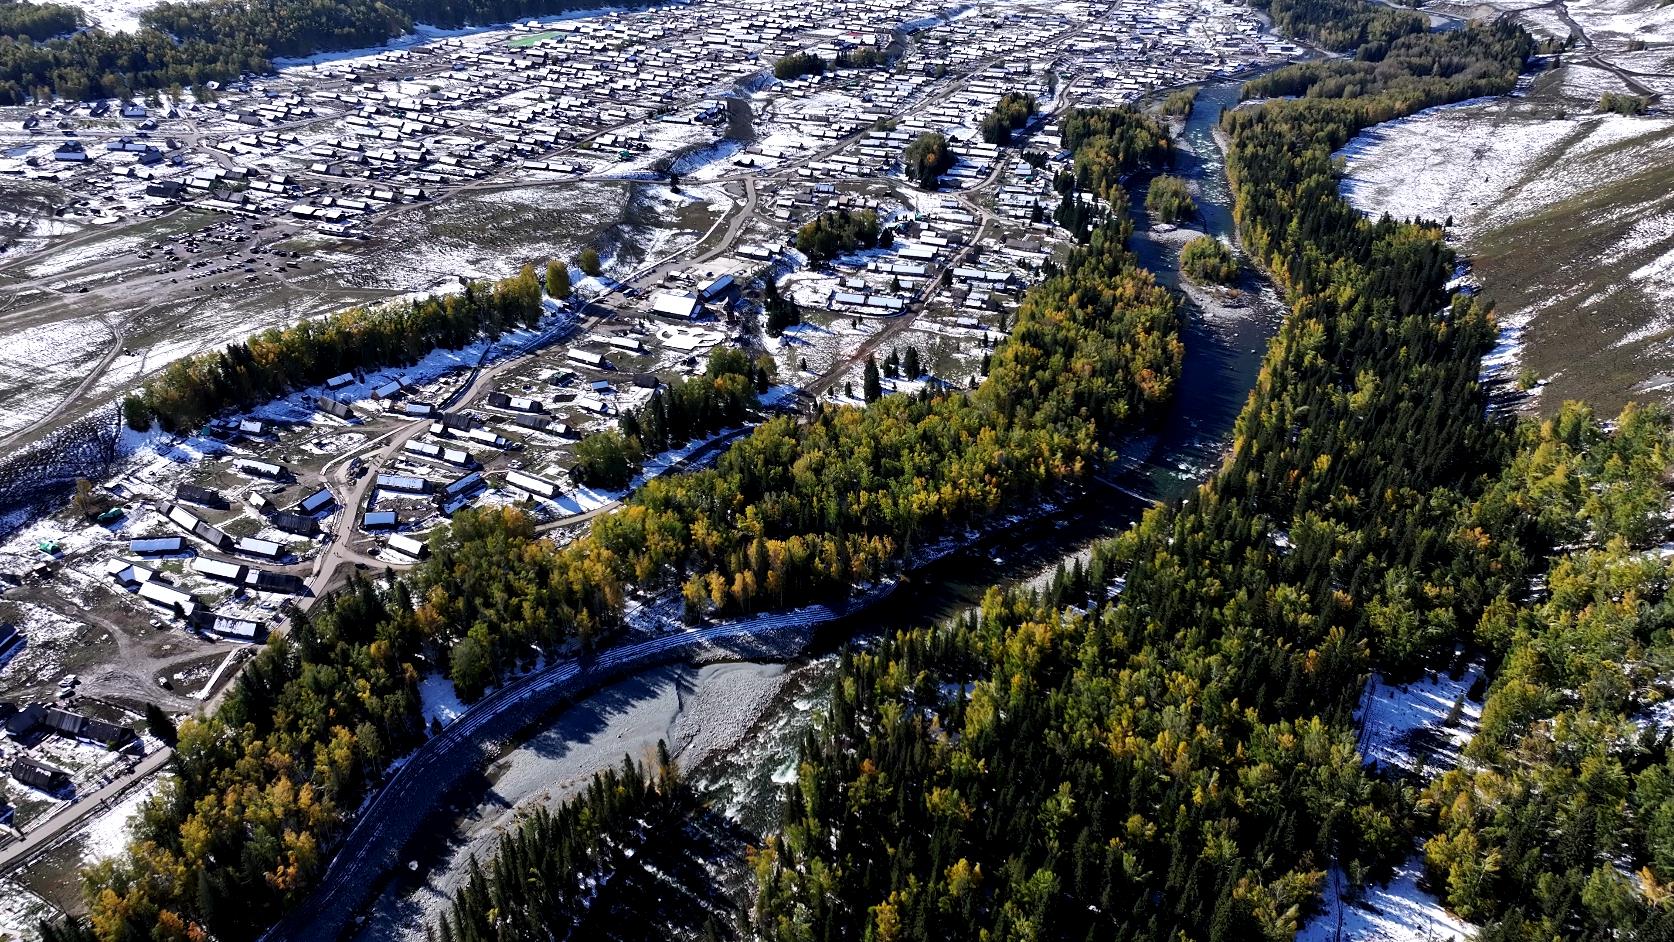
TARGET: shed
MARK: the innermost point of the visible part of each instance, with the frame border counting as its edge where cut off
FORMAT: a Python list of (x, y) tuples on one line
[(336, 407), (530, 484), (266, 469), (403, 482), (39, 775), (176, 601), (266, 580)]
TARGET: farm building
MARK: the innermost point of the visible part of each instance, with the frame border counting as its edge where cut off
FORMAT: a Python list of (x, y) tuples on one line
[(408, 546), (588, 358), (404, 483), (168, 597), (462, 486), (683, 307), (380, 520), (530, 484), (39, 775), (336, 407), (317, 501), (40, 718), (299, 524), (265, 469), (202, 496), (232, 629), (250, 546), (157, 546), (269, 581), (217, 569)]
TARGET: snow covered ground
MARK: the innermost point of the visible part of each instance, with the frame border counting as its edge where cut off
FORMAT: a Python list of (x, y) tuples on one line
[(1399, 911), (1518, 164), (1413, 726), (116, 16)]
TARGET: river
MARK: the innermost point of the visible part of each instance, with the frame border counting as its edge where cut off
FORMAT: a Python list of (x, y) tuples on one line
[(736, 727)]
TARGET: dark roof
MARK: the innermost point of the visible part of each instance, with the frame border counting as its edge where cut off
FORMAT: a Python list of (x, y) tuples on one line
[(335, 407), (76, 726), (276, 581), (296, 523), (11, 640), (463, 421), (211, 535), (202, 496), (39, 774)]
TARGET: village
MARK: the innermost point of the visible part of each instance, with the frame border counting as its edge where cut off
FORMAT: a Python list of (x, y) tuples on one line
[(204, 543)]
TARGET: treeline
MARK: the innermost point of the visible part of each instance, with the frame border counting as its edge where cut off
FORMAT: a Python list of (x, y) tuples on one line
[(545, 877), (831, 234), (1011, 113), (723, 397), (37, 21), (1160, 746), (192, 390), (189, 44)]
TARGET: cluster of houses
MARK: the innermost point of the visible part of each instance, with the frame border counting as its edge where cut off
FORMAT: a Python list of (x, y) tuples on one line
[(29, 724)]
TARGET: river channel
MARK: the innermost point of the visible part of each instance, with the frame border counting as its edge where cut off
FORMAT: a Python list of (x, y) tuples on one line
[(736, 727)]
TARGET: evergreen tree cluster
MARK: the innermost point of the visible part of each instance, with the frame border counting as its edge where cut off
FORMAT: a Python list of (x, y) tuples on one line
[(831, 234), (37, 21), (1207, 260), (723, 397), (926, 158), (797, 64), (1169, 199), (192, 390), (544, 876), (1559, 820), (781, 312), (1011, 112)]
